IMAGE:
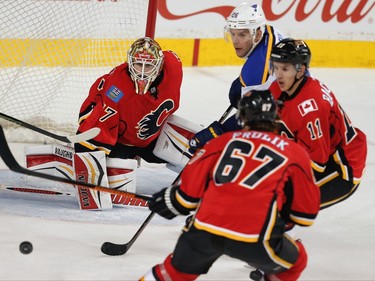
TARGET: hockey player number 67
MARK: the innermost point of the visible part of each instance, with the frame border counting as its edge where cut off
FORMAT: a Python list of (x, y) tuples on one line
[(241, 154)]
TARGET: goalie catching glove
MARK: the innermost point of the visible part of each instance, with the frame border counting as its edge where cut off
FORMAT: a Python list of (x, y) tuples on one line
[(200, 138), (166, 204)]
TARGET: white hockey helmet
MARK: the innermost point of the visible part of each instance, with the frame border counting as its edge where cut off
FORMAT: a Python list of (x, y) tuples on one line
[(247, 16), (145, 59)]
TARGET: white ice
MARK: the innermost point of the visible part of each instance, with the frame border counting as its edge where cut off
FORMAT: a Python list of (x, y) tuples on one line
[(67, 241)]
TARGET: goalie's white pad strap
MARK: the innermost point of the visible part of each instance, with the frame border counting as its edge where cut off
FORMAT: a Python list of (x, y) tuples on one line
[(173, 142), (90, 167)]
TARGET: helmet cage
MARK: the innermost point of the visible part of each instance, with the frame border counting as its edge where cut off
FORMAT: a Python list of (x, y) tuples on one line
[(145, 60)]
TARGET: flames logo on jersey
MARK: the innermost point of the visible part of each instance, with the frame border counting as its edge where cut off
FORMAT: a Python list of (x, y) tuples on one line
[(151, 123)]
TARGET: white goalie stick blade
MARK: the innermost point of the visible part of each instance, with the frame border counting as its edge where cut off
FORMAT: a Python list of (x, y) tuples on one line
[(87, 135), (90, 134), (13, 165)]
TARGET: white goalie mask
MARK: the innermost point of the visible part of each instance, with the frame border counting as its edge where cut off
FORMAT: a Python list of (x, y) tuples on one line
[(145, 59), (246, 16)]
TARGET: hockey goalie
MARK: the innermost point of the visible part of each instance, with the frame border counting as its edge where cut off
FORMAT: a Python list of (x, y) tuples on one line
[(131, 105), (96, 168)]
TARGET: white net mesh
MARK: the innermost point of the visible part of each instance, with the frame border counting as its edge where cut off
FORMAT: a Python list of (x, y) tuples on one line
[(51, 51)]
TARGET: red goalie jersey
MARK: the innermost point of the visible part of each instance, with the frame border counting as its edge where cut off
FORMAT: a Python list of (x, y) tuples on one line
[(255, 177), (126, 117)]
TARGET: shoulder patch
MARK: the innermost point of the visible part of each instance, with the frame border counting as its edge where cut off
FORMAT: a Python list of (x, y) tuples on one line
[(114, 94), (307, 106)]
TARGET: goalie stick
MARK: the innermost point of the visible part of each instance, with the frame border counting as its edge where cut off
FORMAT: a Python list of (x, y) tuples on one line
[(90, 134), (13, 165), (113, 249)]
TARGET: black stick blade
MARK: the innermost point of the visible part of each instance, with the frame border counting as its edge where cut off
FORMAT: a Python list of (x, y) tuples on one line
[(112, 249)]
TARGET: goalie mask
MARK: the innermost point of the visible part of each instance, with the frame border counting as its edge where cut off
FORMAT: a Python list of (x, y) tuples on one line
[(145, 60), (246, 16), (256, 106)]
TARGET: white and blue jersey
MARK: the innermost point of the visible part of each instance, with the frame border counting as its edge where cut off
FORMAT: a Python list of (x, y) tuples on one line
[(254, 73)]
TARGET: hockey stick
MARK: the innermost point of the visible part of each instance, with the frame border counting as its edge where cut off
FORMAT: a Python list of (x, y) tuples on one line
[(32, 190), (113, 249), (13, 165), (90, 134)]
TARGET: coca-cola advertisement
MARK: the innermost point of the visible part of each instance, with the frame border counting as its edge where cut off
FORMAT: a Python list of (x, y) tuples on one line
[(313, 19)]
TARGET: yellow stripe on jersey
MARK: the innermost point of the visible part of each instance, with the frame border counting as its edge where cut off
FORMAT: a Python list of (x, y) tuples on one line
[(234, 235), (327, 179), (186, 204), (344, 168), (94, 147), (339, 199), (271, 40), (317, 167), (277, 259), (272, 221), (301, 221)]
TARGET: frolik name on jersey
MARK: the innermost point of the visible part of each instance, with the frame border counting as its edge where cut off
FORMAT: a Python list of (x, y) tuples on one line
[(275, 140)]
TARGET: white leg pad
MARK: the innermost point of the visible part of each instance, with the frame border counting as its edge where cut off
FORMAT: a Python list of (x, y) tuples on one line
[(122, 174), (90, 167), (56, 160)]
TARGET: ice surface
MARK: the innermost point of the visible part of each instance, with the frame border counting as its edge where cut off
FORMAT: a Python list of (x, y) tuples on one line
[(67, 241)]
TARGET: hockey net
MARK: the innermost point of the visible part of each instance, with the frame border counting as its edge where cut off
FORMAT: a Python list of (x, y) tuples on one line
[(51, 51)]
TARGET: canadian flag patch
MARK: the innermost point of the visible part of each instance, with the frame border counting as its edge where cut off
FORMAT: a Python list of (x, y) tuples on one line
[(307, 106)]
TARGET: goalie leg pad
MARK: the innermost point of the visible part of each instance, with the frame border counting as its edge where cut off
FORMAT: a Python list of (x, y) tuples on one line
[(55, 160), (91, 167), (122, 175)]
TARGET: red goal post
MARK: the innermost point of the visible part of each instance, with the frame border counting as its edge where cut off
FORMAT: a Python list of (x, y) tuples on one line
[(51, 52)]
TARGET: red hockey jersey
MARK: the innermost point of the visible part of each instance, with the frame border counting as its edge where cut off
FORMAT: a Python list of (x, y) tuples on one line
[(314, 118), (126, 117), (242, 178)]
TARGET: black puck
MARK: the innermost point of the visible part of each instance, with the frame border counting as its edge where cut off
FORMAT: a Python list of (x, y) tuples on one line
[(26, 247)]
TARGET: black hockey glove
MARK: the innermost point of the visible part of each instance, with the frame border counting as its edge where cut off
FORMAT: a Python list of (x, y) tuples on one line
[(161, 203), (200, 138), (235, 92)]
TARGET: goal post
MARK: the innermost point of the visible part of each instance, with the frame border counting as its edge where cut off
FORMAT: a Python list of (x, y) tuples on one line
[(51, 52)]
